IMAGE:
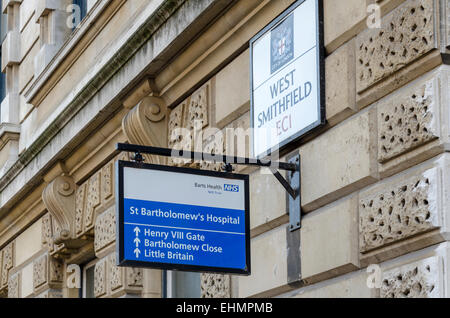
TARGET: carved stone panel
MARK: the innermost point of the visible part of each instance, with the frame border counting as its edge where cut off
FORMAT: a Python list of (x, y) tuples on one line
[(416, 280), (7, 264), (215, 286), (14, 286), (47, 273), (47, 232), (40, 272), (107, 181), (399, 211), (105, 229), (215, 146), (405, 34), (198, 108), (113, 281), (93, 200), (100, 278), (407, 122), (80, 201), (134, 279), (186, 124), (176, 123), (115, 274)]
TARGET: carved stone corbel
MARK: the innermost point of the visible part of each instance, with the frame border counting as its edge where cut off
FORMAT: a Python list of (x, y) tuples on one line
[(59, 199), (146, 124)]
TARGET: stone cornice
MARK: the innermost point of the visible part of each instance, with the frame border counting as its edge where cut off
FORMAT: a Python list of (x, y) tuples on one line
[(8, 132)]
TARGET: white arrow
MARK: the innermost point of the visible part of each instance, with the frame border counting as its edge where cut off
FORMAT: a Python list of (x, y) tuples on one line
[(137, 230), (137, 252), (137, 241)]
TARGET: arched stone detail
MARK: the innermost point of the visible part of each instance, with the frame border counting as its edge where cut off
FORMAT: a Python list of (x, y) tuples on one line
[(146, 124)]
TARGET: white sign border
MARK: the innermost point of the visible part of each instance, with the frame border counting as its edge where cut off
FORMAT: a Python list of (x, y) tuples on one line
[(320, 78)]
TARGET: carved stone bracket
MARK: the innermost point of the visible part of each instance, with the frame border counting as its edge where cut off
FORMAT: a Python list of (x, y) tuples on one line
[(59, 199), (146, 125)]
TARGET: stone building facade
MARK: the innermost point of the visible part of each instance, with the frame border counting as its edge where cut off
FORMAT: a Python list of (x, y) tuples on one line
[(375, 195)]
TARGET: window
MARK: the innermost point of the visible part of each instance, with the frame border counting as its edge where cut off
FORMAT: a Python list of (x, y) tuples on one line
[(87, 274), (181, 285)]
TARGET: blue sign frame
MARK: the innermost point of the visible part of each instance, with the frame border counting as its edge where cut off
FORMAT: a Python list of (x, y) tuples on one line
[(235, 242)]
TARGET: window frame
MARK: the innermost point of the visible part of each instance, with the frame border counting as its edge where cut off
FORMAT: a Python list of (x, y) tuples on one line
[(85, 267)]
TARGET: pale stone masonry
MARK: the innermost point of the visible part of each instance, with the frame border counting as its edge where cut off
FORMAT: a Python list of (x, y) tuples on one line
[(374, 180)]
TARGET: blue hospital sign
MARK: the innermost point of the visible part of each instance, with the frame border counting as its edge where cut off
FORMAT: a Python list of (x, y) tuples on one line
[(182, 219), (287, 78)]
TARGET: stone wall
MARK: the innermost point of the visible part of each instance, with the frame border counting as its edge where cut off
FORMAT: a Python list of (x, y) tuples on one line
[(374, 180)]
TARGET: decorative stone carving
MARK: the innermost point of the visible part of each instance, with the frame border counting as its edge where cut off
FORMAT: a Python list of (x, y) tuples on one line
[(100, 278), (7, 264), (214, 146), (186, 123), (399, 212), (405, 34), (105, 230), (59, 198), (40, 272), (115, 274), (80, 207), (56, 274), (14, 286), (176, 122), (198, 108), (215, 286), (196, 120), (107, 181), (407, 122), (134, 278), (60, 226), (113, 281), (47, 232), (93, 200), (416, 280), (179, 138), (47, 273), (145, 125)]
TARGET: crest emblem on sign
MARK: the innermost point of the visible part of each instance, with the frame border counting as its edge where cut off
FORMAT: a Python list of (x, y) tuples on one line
[(282, 44)]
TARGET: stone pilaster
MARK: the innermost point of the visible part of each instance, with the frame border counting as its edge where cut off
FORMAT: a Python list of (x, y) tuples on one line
[(52, 16)]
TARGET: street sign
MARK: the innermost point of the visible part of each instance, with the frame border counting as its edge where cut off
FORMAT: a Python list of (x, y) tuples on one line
[(287, 78), (182, 219)]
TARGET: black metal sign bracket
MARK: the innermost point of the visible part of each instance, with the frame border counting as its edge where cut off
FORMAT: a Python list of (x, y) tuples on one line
[(292, 184)]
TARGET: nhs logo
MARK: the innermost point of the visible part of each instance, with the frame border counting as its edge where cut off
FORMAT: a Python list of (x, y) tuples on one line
[(231, 187)]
